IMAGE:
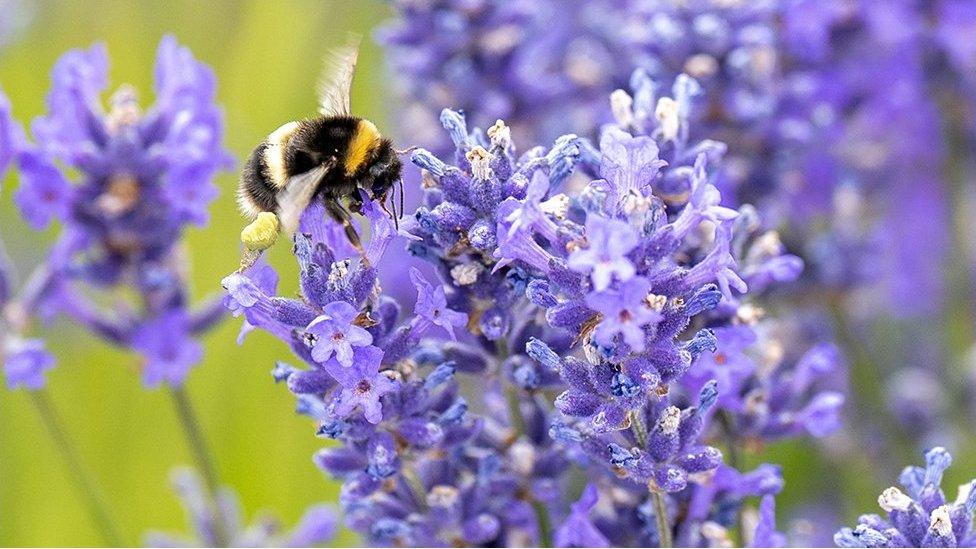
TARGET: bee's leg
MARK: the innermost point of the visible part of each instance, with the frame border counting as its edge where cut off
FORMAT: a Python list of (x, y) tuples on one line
[(342, 215), (382, 200), (249, 258), (356, 202), (258, 236)]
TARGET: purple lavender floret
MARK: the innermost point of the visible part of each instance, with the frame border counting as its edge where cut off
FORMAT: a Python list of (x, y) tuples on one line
[(142, 178), (577, 530), (710, 514), (316, 527), (921, 516), (25, 363)]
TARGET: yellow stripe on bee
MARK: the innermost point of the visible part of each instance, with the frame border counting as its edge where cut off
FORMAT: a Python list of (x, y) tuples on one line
[(363, 141)]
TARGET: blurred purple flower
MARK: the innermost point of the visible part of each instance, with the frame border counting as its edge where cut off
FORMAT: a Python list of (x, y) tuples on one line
[(123, 184), (577, 530), (169, 350), (25, 362)]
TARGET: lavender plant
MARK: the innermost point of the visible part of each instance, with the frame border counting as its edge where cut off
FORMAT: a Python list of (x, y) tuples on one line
[(143, 177), (602, 326), (581, 306), (123, 184)]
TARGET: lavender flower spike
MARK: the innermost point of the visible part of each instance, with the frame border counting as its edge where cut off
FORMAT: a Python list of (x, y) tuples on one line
[(921, 516), (123, 184)]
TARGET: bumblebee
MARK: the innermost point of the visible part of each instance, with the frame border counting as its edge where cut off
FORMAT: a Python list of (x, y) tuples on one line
[(329, 157)]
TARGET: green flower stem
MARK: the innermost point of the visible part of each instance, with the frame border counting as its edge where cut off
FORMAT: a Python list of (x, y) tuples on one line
[(80, 475), (661, 515), (201, 455)]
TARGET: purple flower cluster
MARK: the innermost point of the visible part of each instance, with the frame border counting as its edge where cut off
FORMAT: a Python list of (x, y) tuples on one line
[(772, 392), (786, 80), (605, 324), (418, 468), (832, 113), (142, 177), (584, 287), (922, 517), (316, 527)]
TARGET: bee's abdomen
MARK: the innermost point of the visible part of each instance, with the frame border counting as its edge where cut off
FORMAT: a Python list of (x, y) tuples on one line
[(256, 193)]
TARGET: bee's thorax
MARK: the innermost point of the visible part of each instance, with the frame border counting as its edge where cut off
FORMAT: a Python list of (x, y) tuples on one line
[(362, 145)]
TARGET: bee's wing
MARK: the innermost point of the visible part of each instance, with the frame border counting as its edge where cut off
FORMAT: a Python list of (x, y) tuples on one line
[(297, 194), (339, 67)]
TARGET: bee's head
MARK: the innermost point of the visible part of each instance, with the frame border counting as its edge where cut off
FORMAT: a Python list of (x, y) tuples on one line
[(385, 174)]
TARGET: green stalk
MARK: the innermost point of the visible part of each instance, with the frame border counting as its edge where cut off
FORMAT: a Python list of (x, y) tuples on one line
[(732, 449), (638, 427), (657, 496), (868, 377), (545, 526), (515, 411), (82, 477), (661, 514), (201, 455)]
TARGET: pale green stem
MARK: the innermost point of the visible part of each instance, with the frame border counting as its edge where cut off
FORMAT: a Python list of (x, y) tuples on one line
[(202, 457), (82, 477), (661, 515)]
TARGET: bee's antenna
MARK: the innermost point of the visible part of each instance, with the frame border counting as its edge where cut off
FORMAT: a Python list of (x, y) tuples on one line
[(386, 209)]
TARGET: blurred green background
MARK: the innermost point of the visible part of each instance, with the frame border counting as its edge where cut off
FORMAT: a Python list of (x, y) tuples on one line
[(266, 55)]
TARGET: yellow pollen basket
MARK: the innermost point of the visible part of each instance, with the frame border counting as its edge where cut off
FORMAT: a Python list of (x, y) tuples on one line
[(360, 146), (262, 233)]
